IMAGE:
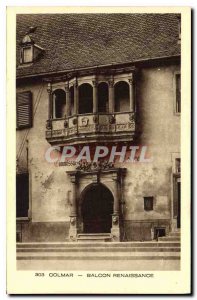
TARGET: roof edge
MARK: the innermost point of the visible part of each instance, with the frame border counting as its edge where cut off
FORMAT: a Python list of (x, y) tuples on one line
[(98, 66)]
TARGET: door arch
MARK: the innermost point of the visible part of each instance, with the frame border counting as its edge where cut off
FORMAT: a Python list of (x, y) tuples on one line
[(97, 209)]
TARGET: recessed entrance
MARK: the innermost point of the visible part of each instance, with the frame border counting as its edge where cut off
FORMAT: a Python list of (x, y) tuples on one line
[(97, 209)]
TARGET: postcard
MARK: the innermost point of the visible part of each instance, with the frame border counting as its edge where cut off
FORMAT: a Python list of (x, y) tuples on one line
[(98, 147)]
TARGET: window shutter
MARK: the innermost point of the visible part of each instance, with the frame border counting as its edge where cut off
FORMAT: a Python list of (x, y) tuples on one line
[(178, 93), (24, 109)]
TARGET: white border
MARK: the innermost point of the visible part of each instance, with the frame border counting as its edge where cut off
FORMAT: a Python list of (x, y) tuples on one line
[(3, 5)]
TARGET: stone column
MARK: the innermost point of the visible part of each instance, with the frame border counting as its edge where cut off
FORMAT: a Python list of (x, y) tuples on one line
[(116, 198), (115, 230), (68, 103), (95, 96), (73, 212), (132, 94), (50, 103), (76, 98), (49, 90), (111, 96)]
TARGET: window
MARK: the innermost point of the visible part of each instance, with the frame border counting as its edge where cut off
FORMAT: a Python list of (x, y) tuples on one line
[(121, 91), (85, 98), (59, 104), (178, 165), (22, 195), (159, 232), (148, 203), (24, 110), (29, 51), (71, 100), (27, 55), (178, 92), (179, 29), (103, 95)]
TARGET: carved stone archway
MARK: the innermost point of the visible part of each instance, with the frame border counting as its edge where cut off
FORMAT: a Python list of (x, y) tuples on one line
[(95, 209), (112, 178)]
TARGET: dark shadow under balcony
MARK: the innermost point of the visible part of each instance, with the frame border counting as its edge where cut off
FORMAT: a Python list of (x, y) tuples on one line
[(92, 127)]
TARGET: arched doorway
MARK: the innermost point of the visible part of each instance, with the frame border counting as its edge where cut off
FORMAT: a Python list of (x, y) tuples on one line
[(97, 209)]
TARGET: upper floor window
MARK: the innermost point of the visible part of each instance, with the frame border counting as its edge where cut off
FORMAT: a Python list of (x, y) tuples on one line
[(27, 54), (71, 109), (91, 95), (59, 103), (29, 51), (24, 110), (121, 91), (178, 92), (179, 29), (85, 98), (103, 97)]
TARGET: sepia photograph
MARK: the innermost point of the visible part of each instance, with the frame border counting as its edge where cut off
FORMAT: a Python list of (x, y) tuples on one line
[(98, 143)]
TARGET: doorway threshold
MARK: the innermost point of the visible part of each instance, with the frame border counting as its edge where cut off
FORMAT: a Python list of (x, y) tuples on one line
[(94, 237)]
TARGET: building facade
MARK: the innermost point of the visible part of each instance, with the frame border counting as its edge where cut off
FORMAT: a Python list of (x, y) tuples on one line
[(97, 86)]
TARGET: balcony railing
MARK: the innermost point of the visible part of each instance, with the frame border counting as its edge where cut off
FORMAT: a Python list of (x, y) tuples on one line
[(92, 127)]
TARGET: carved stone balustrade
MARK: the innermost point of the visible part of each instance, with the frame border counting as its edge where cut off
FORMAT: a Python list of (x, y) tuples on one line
[(92, 127)]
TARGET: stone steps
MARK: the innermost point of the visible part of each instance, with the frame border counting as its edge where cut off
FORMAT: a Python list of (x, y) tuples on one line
[(168, 256), (94, 234), (98, 244), (169, 238), (152, 255), (99, 254), (99, 249), (87, 237), (175, 234)]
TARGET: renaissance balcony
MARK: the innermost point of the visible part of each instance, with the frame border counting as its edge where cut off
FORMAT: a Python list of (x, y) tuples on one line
[(92, 109), (92, 128)]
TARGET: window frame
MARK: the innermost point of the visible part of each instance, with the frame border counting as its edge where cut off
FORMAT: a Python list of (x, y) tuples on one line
[(152, 206), (176, 113), (119, 102), (22, 54)]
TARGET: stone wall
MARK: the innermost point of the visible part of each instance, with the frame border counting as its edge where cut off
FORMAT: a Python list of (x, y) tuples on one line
[(158, 128)]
